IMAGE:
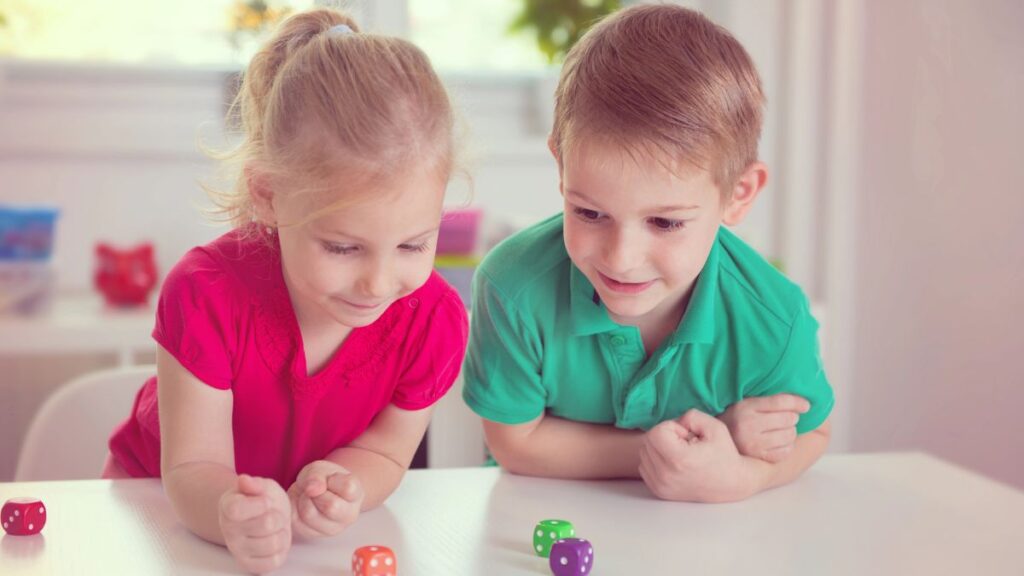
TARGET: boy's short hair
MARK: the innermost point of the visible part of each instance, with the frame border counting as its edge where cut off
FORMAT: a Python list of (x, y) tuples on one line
[(664, 80)]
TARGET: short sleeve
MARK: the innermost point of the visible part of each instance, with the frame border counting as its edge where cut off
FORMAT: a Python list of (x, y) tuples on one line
[(196, 320), (799, 371), (502, 371), (435, 362)]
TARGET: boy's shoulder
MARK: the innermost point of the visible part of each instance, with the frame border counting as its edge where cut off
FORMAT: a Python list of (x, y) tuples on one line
[(532, 259), (745, 275)]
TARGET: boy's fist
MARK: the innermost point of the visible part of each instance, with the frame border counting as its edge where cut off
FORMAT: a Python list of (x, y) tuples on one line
[(765, 427), (693, 459)]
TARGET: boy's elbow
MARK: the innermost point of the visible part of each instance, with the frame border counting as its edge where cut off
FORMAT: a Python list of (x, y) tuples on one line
[(509, 445), (824, 431)]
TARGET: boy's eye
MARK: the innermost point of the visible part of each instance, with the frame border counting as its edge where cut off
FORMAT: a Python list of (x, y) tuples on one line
[(667, 224), (339, 248), (587, 214)]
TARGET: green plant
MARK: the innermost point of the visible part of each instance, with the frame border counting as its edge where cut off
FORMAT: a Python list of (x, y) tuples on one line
[(250, 18), (558, 24)]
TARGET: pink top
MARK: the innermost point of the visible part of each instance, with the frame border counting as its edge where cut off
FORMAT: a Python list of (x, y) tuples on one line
[(225, 314)]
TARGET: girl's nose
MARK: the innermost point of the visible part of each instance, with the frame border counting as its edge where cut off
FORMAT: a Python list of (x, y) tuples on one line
[(377, 281)]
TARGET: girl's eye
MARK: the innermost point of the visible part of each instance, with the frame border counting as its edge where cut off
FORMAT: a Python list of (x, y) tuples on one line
[(422, 247), (667, 224), (342, 249), (587, 214)]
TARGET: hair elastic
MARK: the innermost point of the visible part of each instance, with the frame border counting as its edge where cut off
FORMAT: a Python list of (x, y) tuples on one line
[(340, 30)]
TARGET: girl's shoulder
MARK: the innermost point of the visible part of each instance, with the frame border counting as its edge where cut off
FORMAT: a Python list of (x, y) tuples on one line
[(231, 266), (432, 311), (435, 295)]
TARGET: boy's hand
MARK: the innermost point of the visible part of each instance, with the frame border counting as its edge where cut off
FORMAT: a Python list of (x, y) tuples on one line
[(765, 427), (255, 520), (326, 499), (694, 459)]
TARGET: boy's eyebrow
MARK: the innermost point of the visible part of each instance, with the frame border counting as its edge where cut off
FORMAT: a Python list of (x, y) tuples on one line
[(657, 210), (364, 241), (582, 196)]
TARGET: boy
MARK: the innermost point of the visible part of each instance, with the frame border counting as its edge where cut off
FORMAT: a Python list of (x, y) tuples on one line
[(604, 340)]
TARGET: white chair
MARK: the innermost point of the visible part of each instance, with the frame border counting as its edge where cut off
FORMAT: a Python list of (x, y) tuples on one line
[(67, 439)]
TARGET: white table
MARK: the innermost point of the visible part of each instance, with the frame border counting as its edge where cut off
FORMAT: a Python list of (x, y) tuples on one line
[(850, 514)]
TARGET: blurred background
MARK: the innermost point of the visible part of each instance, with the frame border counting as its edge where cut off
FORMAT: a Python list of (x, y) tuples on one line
[(892, 133)]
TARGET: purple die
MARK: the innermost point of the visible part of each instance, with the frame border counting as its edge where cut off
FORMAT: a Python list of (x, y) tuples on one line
[(571, 557)]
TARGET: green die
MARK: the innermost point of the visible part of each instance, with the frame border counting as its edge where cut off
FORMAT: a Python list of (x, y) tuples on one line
[(548, 532)]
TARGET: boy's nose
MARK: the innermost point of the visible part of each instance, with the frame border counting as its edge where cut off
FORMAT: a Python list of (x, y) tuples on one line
[(622, 252)]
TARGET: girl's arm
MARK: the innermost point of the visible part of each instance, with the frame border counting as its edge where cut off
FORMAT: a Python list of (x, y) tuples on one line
[(558, 448), (380, 455), (197, 457)]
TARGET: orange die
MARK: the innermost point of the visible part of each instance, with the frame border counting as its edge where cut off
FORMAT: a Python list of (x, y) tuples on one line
[(374, 561)]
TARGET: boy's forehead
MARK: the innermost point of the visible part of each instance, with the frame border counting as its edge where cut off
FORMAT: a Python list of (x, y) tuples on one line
[(648, 161)]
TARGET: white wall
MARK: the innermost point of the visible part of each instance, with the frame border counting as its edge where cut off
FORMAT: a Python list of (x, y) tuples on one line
[(939, 345), (115, 148)]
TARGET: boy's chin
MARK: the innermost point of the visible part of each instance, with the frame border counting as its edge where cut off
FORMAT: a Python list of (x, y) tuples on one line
[(626, 311)]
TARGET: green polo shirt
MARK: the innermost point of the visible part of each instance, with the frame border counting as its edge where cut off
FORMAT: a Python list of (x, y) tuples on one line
[(541, 341)]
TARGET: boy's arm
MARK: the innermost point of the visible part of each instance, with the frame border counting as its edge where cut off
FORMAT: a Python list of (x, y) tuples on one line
[(380, 456), (806, 451), (558, 448)]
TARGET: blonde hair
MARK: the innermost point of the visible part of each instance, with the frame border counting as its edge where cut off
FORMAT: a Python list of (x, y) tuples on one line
[(663, 80), (322, 107)]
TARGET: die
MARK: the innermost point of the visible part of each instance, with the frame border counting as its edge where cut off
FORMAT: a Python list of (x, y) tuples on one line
[(547, 532), (571, 556), (374, 561), (23, 516)]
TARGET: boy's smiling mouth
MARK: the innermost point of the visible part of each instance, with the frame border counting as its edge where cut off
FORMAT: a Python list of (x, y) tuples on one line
[(625, 287)]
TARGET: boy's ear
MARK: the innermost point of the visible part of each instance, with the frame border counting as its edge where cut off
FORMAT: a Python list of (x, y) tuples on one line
[(743, 193), (262, 196), (558, 161)]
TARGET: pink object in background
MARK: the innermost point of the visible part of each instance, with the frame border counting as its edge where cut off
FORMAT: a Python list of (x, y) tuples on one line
[(125, 277), (459, 231)]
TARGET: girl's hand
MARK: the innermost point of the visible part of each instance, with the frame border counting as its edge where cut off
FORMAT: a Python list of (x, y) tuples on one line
[(255, 521), (765, 427), (694, 459), (326, 499)]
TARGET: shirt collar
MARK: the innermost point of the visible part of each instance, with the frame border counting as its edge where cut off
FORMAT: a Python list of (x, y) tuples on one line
[(588, 315), (698, 324)]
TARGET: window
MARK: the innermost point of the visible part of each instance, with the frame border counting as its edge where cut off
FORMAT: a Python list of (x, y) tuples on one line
[(189, 32), (459, 35), (464, 35)]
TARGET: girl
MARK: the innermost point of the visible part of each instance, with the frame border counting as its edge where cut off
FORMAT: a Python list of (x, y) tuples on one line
[(300, 354)]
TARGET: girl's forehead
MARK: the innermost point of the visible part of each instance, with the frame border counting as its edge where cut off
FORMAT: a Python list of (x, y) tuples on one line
[(384, 212)]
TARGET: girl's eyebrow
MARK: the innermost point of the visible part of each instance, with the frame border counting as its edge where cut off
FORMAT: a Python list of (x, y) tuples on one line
[(340, 234), (656, 210)]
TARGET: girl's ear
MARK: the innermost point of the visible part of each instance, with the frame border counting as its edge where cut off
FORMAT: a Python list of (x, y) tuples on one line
[(262, 196), (743, 193)]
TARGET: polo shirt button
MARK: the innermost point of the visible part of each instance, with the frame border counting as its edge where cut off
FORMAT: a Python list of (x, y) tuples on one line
[(413, 302), (618, 340)]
